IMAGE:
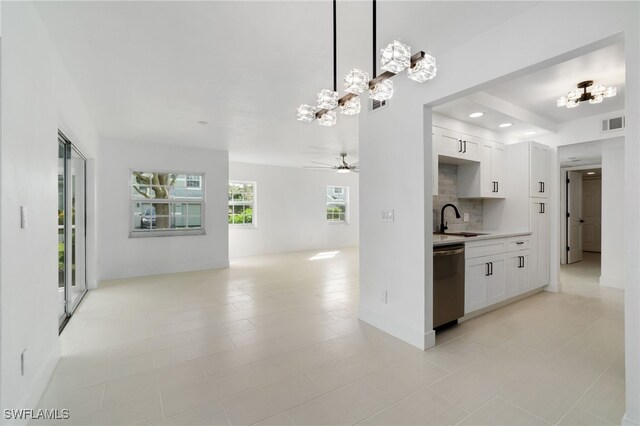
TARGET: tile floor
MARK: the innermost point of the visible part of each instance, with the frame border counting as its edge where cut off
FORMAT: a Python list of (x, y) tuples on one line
[(274, 340)]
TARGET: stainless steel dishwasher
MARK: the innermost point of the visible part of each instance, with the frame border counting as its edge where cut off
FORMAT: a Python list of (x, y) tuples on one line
[(448, 284)]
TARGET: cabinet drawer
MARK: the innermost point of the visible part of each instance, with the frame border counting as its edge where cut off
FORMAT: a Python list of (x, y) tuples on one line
[(519, 243), (485, 247)]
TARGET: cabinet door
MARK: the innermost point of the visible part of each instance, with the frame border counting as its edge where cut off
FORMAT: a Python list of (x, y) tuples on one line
[(524, 272), (487, 186), (496, 281), (447, 143), (475, 285), (513, 274), (539, 170), (497, 170), (542, 247), (470, 148)]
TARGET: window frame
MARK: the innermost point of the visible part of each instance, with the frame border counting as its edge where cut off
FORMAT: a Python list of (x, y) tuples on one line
[(254, 215), (149, 233), (347, 208)]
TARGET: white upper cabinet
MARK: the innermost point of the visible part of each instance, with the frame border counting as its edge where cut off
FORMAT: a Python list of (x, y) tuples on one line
[(455, 145), (539, 170), (486, 178)]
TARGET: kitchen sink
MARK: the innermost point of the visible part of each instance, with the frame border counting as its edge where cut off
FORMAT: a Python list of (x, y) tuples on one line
[(460, 234)]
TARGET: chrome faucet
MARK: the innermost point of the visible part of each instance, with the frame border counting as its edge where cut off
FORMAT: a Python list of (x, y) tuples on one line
[(443, 224)]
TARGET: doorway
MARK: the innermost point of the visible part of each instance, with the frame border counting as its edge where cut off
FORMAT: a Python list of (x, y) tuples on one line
[(583, 212), (72, 277)]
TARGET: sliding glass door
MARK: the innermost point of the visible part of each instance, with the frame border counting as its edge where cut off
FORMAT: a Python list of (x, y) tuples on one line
[(72, 276)]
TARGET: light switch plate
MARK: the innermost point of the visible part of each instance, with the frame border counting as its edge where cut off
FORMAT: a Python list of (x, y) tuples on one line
[(387, 215), (23, 217), (466, 217)]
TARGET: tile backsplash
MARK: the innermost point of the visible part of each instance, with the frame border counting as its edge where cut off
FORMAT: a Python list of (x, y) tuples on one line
[(448, 193)]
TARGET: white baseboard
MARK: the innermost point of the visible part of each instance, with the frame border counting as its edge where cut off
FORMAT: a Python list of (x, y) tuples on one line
[(613, 282), (417, 338), (626, 422), (160, 269)]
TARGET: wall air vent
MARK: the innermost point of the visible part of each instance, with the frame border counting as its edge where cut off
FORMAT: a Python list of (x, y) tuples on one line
[(378, 104), (611, 124)]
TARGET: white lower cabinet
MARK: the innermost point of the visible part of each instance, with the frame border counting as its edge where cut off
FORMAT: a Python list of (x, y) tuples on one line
[(497, 277), (518, 273), (485, 282)]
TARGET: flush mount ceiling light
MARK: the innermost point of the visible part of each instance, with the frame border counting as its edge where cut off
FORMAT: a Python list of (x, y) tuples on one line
[(595, 96), (395, 58), (503, 125), (476, 114), (591, 173), (529, 133)]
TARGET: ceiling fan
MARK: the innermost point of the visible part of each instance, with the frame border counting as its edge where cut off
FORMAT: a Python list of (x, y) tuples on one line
[(342, 167)]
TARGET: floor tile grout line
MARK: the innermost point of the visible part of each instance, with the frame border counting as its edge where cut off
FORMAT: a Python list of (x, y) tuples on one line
[(586, 391), (523, 409)]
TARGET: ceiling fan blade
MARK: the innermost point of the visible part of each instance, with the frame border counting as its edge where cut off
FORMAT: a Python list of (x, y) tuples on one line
[(355, 170), (324, 164), (317, 168), (355, 164)]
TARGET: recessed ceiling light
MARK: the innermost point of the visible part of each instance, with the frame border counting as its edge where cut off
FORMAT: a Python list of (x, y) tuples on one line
[(203, 122), (591, 173), (529, 133), (476, 114), (506, 125)]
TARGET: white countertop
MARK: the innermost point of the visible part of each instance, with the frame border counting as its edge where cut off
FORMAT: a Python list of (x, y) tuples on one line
[(441, 240)]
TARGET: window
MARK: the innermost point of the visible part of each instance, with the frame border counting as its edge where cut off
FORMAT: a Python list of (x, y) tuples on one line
[(242, 197), (337, 204), (166, 203)]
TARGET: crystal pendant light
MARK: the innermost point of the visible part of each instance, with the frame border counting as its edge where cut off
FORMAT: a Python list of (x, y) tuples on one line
[(382, 91), (572, 104), (423, 70), (596, 99), (574, 95), (610, 92), (306, 113), (328, 119), (598, 90), (562, 101), (396, 57), (356, 81), (351, 107), (327, 99)]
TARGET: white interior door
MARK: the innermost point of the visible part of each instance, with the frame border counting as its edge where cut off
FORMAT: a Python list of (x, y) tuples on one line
[(574, 219), (592, 214)]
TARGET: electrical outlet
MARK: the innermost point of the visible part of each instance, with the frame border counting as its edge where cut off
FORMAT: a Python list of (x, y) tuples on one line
[(466, 217), (383, 296), (387, 215), (23, 361)]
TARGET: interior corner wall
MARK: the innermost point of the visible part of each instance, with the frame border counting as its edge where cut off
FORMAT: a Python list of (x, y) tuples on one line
[(612, 269), (290, 211), (122, 256), (38, 97)]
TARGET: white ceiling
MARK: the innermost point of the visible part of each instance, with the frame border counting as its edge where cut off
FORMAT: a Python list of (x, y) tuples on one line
[(529, 102), (149, 71), (580, 154), (538, 92)]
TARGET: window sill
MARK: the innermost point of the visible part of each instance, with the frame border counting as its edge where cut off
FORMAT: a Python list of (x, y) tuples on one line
[(246, 227), (168, 233)]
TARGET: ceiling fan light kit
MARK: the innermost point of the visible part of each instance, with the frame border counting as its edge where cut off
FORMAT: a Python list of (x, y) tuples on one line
[(395, 58), (595, 96), (342, 167)]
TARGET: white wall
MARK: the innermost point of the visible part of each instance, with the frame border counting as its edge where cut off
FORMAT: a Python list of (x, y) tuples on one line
[(613, 214), (38, 97), (121, 256), (396, 161), (290, 213)]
